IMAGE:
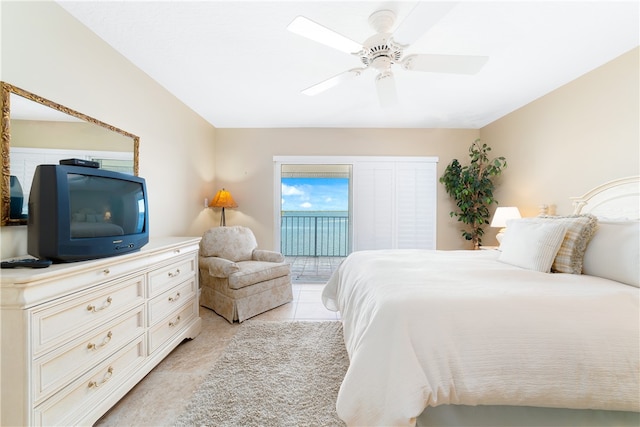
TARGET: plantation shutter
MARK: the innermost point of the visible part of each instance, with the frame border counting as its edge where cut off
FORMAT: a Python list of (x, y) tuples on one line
[(372, 210), (394, 204), (416, 205)]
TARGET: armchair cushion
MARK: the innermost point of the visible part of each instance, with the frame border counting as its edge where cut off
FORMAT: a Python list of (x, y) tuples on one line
[(269, 256), (218, 267), (252, 272), (235, 243)]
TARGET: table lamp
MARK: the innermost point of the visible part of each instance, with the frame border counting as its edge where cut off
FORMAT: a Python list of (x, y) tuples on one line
[(223, 199), (500, 218)]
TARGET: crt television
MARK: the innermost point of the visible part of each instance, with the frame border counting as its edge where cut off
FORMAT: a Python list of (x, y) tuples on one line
[(78, 213)]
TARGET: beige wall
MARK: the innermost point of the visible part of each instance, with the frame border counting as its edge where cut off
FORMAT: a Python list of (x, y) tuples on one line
[(574, 138), (47, 52), (244, 166)]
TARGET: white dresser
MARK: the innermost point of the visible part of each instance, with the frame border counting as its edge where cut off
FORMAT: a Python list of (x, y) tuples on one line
[(77, 337)]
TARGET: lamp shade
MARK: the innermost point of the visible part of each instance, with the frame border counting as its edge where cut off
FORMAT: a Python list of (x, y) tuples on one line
[(223, 199), (503, 214)]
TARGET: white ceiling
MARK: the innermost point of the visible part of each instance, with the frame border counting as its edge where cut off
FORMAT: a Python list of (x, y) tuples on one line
[(236, 65)]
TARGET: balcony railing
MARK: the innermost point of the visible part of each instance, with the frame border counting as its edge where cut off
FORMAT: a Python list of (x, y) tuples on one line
[(314, 234)]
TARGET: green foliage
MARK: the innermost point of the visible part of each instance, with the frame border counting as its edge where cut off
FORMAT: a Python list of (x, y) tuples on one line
[(471, 187)]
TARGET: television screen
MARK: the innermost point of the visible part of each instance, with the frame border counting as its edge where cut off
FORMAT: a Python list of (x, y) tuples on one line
[(101, 206), (79, 213)]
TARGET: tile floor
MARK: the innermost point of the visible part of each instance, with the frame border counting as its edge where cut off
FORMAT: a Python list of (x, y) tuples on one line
[(163, 394)]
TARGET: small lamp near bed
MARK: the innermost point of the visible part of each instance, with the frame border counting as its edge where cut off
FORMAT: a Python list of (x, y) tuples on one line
[(500, 218), (223, 199)]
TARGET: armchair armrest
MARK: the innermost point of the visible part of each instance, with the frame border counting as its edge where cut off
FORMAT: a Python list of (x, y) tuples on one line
[(269, 256), (218, 267)]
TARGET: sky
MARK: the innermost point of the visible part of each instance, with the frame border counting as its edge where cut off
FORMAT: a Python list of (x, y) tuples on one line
[(315, 194)]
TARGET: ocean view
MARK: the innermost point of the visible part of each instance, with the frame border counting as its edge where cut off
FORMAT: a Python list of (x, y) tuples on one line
[(314, 233), (315, 213)]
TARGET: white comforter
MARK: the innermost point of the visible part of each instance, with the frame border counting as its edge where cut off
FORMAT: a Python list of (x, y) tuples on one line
[(427, 328)]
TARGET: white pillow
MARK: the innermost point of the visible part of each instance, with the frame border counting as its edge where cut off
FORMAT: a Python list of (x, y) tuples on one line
[(614, 252), (580, 229), (531, 245)]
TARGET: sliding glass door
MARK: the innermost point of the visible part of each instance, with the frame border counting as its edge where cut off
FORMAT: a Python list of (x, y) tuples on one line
[(390, 203)]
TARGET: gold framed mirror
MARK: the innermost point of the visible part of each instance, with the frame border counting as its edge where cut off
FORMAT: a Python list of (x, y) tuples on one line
[(36, 130)]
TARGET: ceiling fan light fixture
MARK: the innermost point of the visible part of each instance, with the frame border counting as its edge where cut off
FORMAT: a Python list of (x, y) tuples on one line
[(385, 49), (316, 32), (380, 52)]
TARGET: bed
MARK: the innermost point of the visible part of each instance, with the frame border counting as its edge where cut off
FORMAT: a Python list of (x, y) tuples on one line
[(543, 331)]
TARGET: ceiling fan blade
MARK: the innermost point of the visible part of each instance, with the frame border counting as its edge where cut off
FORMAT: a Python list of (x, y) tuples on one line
[(455, 64), (333, 81), (420, 20), (321, 34), (386, 87)]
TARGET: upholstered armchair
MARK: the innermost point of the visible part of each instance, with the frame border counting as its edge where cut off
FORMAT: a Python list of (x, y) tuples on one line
[(238, 280)]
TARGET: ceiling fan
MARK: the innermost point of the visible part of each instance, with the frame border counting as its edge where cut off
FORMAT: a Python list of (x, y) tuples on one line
[(384, 49)]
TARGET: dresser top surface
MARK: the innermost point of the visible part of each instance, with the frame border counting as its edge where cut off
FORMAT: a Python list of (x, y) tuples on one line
[(17, 276)]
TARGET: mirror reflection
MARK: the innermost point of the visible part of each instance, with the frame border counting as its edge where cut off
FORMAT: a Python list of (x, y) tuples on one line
[(39, 131)]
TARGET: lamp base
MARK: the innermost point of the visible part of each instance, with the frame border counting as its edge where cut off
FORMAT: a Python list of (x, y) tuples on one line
[(223, 221)]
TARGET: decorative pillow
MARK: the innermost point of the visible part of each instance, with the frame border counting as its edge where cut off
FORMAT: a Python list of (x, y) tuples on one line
[(235, 243), (531, 245), (580, 229), (614, 251)]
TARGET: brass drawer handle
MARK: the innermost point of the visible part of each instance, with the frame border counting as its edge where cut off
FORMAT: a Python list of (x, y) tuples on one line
[(105, 341), (174, 274), (93, 309), (174, 323), (176, 298), (107, 376)]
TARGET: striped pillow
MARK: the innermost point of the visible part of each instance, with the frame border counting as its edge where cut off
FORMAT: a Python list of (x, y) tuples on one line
[(580, 230), (531, 245)]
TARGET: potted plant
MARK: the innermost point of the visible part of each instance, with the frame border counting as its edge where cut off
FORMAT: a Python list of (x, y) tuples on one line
[(471, 186)]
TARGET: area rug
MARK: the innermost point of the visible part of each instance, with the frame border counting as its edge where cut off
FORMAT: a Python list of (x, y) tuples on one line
[(273, 374)]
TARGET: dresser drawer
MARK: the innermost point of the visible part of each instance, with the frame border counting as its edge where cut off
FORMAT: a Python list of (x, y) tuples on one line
[(170, 300), (72, 402), (58, 367), (170, 275), (63, 320), (172, 325)]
